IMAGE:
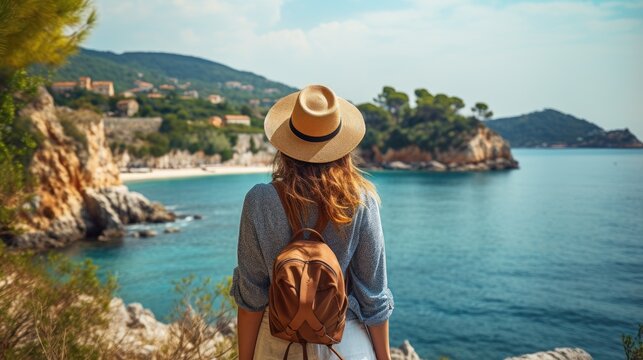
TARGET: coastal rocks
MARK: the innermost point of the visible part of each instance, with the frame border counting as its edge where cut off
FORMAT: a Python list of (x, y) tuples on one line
[(397, 165), (248, 150), (252, 150), (77, 189), (404, 352), (146, 233), (109, 209), (134, 329), (436, 166), (484, 151), (136, 333), (175, 159), (484, 145), (556, 354), (131, 207), (407, 352)]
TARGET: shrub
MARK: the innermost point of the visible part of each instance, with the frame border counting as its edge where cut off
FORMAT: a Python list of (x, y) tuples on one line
[(633, 347), (17, 146), (202, 321), (50, 309)]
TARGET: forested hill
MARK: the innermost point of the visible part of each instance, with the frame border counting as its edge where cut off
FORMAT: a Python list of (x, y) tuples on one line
[(205, 76), (552, 128)]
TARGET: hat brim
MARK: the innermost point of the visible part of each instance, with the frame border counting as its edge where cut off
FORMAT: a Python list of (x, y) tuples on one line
[(277, 128)]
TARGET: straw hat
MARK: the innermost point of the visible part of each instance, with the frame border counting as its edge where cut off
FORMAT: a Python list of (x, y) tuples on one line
[(314, 125)]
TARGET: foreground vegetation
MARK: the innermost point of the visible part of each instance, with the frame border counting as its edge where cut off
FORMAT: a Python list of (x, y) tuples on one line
[(52, 308)]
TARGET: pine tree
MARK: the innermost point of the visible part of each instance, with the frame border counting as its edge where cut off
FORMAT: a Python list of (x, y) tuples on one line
[(32, 32)]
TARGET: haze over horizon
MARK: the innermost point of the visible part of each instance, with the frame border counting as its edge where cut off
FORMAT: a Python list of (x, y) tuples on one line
[(582, 58)]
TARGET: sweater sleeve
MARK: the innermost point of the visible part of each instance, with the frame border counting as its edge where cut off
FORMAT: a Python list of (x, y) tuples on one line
[(250, 280), (368, 269)]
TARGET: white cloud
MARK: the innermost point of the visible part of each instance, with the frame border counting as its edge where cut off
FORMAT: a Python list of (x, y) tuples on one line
[(253, 13)]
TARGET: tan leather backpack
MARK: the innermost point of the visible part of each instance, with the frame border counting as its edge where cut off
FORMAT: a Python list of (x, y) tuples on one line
[(307, 296)]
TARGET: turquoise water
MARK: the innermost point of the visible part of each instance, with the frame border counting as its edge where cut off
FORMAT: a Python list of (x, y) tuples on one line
[(482, 265)]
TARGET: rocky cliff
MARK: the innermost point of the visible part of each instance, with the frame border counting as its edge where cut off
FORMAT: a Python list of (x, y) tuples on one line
[(485, 150), (77, 191)]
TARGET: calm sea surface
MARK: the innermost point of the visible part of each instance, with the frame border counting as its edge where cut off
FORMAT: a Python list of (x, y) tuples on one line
[(482, 265)]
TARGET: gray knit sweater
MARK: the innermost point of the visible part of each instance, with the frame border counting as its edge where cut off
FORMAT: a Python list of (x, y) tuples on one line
[(264, 231)]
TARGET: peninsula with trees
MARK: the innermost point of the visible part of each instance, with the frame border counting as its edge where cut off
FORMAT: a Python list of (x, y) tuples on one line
[(551, 128)]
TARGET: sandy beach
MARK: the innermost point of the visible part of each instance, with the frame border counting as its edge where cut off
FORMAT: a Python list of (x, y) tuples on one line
[(155, 174)]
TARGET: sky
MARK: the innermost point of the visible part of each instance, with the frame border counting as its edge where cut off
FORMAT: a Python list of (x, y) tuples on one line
[(584, 58)]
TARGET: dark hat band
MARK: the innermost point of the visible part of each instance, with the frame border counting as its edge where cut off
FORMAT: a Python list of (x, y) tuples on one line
[(309, 138)]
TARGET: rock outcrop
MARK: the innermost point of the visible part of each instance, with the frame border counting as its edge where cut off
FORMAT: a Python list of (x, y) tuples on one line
[(77, 188), (556, 354), (407, 352), (135, 329), (136, 333), (404, 352), (485, 150)]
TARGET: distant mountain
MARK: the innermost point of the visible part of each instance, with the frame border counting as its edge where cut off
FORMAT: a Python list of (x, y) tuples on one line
[(552, 128), (205, 76)]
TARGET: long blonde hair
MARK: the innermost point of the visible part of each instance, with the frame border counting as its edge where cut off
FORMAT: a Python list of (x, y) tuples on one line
[(336, 186)]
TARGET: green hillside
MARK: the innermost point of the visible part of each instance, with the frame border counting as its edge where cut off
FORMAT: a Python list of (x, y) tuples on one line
[(553, 128), (207, 77)]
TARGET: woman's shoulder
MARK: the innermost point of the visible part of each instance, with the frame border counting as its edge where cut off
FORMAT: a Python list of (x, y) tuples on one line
[(370, 200)]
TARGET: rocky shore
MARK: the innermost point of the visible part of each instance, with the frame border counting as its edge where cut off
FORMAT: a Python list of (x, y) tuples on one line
[(484, 151), (77, 190), (139, 332)]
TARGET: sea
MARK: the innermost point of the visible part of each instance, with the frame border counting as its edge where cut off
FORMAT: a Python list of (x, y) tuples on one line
[(481, 265)]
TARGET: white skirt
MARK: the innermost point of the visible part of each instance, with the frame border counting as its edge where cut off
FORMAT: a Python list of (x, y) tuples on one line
[(355, 345)]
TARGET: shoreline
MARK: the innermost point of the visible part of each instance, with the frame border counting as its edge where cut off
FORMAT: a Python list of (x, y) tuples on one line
[(163, 174)]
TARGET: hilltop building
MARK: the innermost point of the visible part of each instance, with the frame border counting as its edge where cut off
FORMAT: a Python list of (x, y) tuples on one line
[(127, 107), (233, 84), (167, 87), (85, 82), (215, 99), (105, 88), (190, 94), (216, 121), (233, 119), (143, 86)]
